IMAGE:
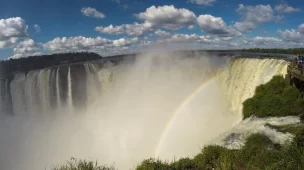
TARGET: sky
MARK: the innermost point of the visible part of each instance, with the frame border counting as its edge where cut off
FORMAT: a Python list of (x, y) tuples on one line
[(110, 27)]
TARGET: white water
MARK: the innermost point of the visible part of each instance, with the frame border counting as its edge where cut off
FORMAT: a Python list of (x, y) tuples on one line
[(161, 106), (236, 137)]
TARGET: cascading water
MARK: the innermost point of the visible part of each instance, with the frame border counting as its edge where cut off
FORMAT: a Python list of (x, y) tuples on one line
[(160, 106)]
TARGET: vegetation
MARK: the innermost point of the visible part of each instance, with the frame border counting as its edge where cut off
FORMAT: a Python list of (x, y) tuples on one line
[(274, 99), (258, 153), (75, 164)]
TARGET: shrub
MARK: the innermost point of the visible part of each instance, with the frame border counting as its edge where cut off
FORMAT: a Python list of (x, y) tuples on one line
[(75, 164), (153, 164), (274, 99)]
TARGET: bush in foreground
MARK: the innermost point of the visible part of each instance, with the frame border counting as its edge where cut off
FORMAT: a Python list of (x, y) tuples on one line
[(75, 164), (274, 99), (258, 153)]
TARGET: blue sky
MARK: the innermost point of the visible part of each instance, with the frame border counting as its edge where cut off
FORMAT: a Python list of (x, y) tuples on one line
[(108, 27)]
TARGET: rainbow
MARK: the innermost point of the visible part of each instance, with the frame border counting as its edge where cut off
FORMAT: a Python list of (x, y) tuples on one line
[(175, 114)]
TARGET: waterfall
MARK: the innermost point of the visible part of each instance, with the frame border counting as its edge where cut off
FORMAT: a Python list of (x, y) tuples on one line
[(58, 89), (17, 87), (161, 105), (70, 100), (242, 75)]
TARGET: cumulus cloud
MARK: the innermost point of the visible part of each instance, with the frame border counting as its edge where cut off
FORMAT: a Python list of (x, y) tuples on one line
[(203, 2), (81, 43), (290, 35), (215, 25), (186, 38), (12, 27), (26, 48), (75, 43), (92, 12), (251, 16), (37, 28), (263, 40), (146, 43), (284, 8), (9, 43), (301, 28), (111, 29), (168, 17), (137, 29), (191, 27), (223, 39), (154, 18), (245, 26), (162, 34), (123, 42)]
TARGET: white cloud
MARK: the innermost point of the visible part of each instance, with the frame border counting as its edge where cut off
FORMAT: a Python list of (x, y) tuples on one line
[(9, 43), (290, 35), (251, 16), (111, 29), (191, 27), (16, 56), (284, 8), (186, 38), (223, 39), (12, 27), (215, 25), (26, 48), (263, 40), (168, 17), (75, 43), (162, 34), (37, 28), (202, 2), (245, 26), (154, 18), (92, 12), (301, 28), (137, 29), (124, 42), (80, 43)]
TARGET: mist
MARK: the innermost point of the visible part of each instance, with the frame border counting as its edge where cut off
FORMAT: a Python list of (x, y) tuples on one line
[(164, 105)]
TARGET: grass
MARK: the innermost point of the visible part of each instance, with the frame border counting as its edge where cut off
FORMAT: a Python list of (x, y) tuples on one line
[(259, 152)]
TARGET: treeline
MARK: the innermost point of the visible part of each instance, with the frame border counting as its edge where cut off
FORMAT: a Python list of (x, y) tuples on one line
[(7, 67), (265, 50)]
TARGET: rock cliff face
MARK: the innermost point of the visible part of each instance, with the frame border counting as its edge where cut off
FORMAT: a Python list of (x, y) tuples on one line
[(11, 66)]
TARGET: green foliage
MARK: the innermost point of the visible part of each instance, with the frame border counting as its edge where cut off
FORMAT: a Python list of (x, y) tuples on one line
[(258, 153), (153, 164), (74, 164), (274, 99)]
